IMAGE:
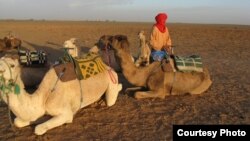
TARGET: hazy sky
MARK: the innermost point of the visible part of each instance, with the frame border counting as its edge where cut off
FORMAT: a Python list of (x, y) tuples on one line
[(185, 11)]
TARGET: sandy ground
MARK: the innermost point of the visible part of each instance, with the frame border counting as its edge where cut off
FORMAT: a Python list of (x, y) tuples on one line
[(225, 49)]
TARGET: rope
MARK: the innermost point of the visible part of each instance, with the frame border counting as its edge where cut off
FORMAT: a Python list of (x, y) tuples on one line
[(81, 94), (9, 114), (9, 88), (112, 77), (60, 75)]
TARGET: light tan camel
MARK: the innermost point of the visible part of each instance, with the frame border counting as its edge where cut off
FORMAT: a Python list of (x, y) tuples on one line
[(74, 50), (152, 77), (61, 103), (145, 51)]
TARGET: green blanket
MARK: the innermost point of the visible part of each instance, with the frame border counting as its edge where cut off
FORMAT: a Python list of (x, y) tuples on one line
[(188, 64)]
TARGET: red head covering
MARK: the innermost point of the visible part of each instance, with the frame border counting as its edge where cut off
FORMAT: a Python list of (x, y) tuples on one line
[(161, 21)]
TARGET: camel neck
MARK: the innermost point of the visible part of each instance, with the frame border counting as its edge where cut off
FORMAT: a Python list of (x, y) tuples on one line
[(15, 100), (19, 103), (136, 76), (143, 46)]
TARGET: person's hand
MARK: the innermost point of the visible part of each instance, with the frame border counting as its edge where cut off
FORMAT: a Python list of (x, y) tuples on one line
[(168, 49)]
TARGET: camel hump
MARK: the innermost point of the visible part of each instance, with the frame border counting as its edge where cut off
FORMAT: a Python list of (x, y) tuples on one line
[(205, 84)]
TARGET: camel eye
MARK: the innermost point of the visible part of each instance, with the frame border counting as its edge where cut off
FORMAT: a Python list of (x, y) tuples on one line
[(12, 65)]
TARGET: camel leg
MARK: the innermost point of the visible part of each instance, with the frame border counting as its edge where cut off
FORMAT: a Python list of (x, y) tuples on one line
[(20, 123), (132, 89), (112, 93), (66, 117), (149, 94), (172, 64), (138, 62), (148, 60)]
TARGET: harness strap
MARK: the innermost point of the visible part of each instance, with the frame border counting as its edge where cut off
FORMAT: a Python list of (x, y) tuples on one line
[(81, 94), (60, 75), (9, 111)]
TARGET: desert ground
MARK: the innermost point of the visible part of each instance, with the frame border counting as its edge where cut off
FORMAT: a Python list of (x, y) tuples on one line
[(225, 50)]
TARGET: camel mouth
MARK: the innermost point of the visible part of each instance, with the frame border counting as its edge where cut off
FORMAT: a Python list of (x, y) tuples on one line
[(110, 41), (105, 42)]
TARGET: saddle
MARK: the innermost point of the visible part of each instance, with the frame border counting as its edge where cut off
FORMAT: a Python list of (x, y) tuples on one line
[(188, 64), (80, 68), (65, 72), (89, 65)]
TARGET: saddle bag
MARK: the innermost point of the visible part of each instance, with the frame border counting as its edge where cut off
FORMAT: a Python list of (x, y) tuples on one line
[(188, 64), (29, 58)]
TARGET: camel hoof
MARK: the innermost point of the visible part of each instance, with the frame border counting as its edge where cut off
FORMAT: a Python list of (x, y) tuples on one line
[(20, 123), (40, 130), (137, 96)]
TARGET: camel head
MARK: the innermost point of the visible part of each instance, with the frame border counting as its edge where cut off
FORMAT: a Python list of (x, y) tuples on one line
[(71, 44), (9, 68), (141, 35), (117, 42), (12, 42)]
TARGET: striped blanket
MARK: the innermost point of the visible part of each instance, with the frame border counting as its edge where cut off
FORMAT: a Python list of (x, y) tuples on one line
[(188, 64), (30, 58), (89, 65)]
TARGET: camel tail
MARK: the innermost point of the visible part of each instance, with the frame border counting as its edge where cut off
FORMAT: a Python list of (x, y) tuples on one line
[(205, 84)]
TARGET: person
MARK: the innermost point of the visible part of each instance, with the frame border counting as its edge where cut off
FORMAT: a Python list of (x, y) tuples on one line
[(160, 40)]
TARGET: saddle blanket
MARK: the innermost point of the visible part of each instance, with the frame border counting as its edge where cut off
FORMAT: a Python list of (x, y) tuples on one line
[(89, 65), (30, 58), (188, 64)]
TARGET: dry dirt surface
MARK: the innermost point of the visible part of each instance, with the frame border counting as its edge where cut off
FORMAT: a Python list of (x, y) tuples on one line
[(225, 49)]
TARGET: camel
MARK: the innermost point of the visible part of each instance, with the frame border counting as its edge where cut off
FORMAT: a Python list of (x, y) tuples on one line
[(158, 83), (61, 100), (2, 45), (10, 42), (144, 57), (73, 48)]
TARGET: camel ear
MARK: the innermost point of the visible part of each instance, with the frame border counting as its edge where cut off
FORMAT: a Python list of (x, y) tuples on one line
[(142, 32), (74, 40)]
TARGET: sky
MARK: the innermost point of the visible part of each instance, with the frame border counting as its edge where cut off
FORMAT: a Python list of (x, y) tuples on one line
[(179, 11)]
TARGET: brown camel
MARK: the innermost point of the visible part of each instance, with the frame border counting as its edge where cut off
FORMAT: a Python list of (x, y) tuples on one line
[(158, 82), (9, 42)]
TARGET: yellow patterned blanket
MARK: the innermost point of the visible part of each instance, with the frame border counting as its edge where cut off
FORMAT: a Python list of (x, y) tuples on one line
[(89, 65)]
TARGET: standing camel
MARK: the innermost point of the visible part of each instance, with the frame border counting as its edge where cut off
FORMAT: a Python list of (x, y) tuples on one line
[(144, 57), (158, 83)]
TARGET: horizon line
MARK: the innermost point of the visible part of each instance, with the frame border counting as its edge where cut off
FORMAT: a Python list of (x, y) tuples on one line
[(117, 21)]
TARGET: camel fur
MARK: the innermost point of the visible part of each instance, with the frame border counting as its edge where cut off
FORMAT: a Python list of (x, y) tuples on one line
[(61, 103), (71, 44), (158, 83), (145, 51), (10, 42)]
